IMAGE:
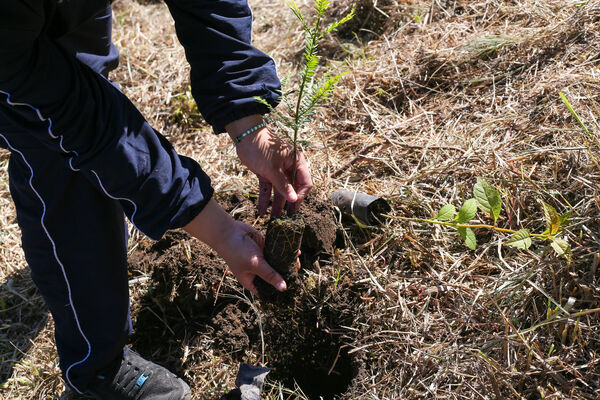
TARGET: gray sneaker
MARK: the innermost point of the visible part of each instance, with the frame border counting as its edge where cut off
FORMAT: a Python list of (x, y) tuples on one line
[(133, 378)]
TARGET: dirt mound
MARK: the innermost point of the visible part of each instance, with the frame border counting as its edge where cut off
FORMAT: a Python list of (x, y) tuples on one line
[(230, 325), (193, 301)]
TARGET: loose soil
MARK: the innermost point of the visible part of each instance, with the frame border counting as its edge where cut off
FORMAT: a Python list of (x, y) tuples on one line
[(194, 303)]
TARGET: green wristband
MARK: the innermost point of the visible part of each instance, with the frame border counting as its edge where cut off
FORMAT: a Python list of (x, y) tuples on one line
[(249, 131)]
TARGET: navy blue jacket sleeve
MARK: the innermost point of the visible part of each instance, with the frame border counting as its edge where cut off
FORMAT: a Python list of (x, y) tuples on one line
[(68, 108), (227, 71)]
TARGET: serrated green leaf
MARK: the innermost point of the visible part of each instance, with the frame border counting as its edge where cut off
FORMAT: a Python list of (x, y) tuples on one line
[(468, 236), (552, 219), (488, 198), (446, 213), (520, 240), (561, 247), (467, 212)]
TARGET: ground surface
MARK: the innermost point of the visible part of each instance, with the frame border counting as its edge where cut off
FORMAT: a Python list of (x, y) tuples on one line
[(437, 94)]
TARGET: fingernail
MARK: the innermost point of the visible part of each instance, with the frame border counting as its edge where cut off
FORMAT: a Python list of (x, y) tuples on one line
[(281, 286)]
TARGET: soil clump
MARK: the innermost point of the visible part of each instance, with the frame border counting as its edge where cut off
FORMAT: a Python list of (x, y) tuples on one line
[(282, 243)]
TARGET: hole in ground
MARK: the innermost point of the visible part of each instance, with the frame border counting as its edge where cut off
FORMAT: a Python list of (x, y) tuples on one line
[(314, 376), (305, 347)]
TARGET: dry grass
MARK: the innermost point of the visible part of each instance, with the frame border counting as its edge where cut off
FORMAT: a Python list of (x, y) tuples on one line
[(439, 93)]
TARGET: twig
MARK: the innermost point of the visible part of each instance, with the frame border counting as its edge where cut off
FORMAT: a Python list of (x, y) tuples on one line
[(519, 335), (219, 287), (456, 225), (334, 361)]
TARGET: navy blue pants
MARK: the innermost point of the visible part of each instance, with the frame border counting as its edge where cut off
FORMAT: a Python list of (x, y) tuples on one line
[(74, 239), (72, 218)]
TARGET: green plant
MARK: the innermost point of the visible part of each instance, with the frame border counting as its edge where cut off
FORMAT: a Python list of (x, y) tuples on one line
[(185, 110), (590, 136), (312, 90), (487, 199), (337, 278)]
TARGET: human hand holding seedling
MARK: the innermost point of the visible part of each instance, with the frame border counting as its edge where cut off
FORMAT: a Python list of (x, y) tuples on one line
[(272, 160), (240, 245), (312, 91)]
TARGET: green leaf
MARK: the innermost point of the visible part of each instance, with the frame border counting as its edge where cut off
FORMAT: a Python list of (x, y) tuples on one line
[(552, 219), (311, 62), (573, 112), (321, 6), (446, 213), (467, 212), (468, 236), (294, 7), (565, 219), (334, 25), (285, 120), (561, 247), (520, 240), (319, 93), (488, 198)]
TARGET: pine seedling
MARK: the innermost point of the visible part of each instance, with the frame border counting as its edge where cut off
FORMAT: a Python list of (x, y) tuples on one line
[(312, 90)]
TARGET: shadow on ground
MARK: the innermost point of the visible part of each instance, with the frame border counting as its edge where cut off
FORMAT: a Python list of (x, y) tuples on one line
[(23, 315)]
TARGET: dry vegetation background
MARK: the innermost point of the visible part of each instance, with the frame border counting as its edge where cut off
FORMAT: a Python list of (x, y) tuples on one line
[(438, 93)]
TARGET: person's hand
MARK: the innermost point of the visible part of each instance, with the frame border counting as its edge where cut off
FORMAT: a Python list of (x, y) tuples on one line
[(272, 160), (240, 245), (244, 256)]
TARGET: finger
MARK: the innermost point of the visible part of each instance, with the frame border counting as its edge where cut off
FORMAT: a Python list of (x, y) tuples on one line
[(303, 178), (248, 283), (291, 208), (303, 182), (282, 184), (264, 195), (298, 266), (278, 203), (270, 276)]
